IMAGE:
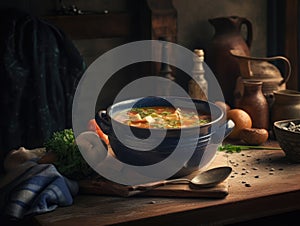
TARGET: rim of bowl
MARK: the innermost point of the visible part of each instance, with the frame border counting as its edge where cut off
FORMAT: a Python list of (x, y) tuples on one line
[(277, 124)]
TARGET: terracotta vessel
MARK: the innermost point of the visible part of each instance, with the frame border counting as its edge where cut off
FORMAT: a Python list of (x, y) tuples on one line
[(286, 105), (255, 104), (228, 36), (259, 69)]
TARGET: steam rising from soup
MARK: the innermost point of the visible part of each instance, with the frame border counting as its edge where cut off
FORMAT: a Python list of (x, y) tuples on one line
[(161, 117)]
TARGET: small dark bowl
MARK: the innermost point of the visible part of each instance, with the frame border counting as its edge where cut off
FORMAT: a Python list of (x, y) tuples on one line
[(288, 140), (134, 153)]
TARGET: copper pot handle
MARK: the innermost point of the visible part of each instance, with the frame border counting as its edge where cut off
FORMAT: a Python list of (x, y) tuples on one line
[(287, 73)]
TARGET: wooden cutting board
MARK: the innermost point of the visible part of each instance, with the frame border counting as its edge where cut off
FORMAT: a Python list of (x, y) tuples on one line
[(101, 186)]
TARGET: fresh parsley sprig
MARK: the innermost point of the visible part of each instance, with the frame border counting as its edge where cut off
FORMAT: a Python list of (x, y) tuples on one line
[(230, 148), (69, 161)]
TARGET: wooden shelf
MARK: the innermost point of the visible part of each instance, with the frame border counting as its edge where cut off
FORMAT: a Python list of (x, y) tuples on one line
[(93, 26)]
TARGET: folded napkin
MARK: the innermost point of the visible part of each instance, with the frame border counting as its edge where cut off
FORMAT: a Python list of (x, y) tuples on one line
[(36, 188)]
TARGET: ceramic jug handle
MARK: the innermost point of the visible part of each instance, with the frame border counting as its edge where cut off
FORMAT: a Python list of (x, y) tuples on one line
[(249, 31), (287, 73), (287, 64)]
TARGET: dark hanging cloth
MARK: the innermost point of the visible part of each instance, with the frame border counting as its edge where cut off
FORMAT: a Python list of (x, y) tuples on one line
[(39, 71)]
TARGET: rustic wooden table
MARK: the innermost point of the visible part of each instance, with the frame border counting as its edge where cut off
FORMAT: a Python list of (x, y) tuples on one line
[(263, 183)]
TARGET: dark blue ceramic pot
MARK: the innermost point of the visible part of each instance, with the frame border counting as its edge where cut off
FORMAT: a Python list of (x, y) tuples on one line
[(140, 152)]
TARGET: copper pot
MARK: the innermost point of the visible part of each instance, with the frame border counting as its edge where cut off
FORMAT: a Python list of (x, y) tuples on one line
[(259, 69)]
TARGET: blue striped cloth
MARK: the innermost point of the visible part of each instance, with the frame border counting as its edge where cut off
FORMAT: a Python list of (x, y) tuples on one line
[(41, 188)]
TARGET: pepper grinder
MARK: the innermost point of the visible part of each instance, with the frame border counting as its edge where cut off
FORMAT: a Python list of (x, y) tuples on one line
[(198, 85), (165, 69), (165, 86)]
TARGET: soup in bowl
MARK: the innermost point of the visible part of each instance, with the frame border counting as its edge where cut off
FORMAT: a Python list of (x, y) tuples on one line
[(161, 117), (145, 131)]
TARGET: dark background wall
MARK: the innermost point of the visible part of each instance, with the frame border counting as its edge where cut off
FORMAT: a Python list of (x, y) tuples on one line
[(194, 30)]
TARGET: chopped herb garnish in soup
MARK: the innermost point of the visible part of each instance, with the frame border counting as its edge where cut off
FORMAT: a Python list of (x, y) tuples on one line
[(161, 117)]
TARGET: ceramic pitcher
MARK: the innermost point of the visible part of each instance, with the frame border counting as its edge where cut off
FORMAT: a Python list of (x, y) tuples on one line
[(228, 36)]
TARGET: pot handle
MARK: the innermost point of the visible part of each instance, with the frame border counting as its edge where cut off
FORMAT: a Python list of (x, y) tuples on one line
[(103, 121), (287, 63), (228, 125), (287, 70), (249, 31)]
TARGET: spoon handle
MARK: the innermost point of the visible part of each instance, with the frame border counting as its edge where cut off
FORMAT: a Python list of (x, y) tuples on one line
[(152, 185)]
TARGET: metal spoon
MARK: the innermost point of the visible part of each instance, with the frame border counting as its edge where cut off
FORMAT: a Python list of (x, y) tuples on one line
[(205, 179)]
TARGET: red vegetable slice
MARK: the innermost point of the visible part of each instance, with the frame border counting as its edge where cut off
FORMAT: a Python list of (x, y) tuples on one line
[(93, 126)]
